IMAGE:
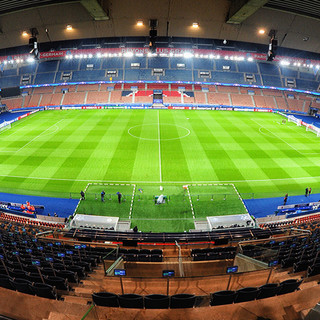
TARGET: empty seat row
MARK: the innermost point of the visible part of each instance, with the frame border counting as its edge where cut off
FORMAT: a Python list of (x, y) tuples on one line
[(153, 301), (43, 290), (160, 301)]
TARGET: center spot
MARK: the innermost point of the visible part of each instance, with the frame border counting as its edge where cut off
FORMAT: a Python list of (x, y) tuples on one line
[(151, 131)]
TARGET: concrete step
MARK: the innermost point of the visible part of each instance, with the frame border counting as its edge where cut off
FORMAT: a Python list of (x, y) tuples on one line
[(76, 299), (84, 292), (61, 316)]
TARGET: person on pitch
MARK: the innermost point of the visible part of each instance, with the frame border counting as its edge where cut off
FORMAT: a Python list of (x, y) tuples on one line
[(119, 196), (102, 195)]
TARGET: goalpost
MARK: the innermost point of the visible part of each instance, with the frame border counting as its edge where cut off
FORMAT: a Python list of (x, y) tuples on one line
[(313, 129), (5, 126), (309, 127), (295, 120)]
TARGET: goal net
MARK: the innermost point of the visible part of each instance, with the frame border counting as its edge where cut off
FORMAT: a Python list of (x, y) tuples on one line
[(313, 129), (297, 121), (5, 126)]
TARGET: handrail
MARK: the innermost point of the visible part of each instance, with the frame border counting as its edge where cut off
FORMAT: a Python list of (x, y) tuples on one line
[(44, 233), (241, 243), (301, 230), (180, 260), (104, 257), (114, 264), (88, 311)]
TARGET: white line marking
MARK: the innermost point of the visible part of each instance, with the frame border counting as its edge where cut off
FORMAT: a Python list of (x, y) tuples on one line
[(14, 124), (159, 143), (262, 127), (39, 135), (156, 139), (155, 182), (191, 205), (236, 190), (132, 199), (162, 219)]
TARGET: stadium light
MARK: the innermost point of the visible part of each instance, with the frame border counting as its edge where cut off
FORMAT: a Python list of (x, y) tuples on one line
[(250, 59), (262, 31), (188, 55), (128, 54), (30, 60), (139, 23), (69, 27), (195, 25), (285, 63), (25, 34), (99, 55)]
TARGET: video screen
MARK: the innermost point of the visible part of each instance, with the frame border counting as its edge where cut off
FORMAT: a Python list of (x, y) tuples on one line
[(232, 269), (273, 263), (119, 272), (168, 273)]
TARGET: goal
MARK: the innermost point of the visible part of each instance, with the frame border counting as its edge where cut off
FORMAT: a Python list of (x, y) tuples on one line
[(5, 126), (313, 129), (297, 121)]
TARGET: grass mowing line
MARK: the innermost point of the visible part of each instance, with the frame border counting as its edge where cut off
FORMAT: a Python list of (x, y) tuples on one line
[(163, 219), (191, 205), (156, 182), (262, 127), (132, 199), (304, 136), (236, 190), (39, 135), (159, 146)]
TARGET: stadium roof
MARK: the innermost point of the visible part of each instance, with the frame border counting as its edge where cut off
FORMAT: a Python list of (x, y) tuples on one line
[(296, 22)]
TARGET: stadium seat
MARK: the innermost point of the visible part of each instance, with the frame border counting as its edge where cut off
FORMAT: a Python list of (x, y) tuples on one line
[(35, 277), (222, 297), (44, 290), (156, 301), (22, 285), (131, 300), (5, 282), (314, 270), (288, 286), (246, 294), (105, 299), (16, 273), (182, 300), (59, 282), (70, 275), (268, 290)]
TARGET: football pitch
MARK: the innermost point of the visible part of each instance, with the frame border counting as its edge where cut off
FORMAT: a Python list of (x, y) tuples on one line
[(58, 153)]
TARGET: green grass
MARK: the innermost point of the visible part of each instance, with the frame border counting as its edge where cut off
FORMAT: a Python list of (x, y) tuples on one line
[(215, 200), (56, 153)]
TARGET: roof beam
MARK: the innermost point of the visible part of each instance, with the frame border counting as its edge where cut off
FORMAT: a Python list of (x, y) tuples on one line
[(240, 10), (95, 9)]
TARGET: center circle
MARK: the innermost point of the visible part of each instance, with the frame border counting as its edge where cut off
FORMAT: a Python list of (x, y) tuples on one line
[(154, 131)]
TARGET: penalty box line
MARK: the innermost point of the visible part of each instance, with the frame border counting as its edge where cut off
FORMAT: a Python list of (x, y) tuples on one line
[(190, 200), (211, 184), (236, 190)]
